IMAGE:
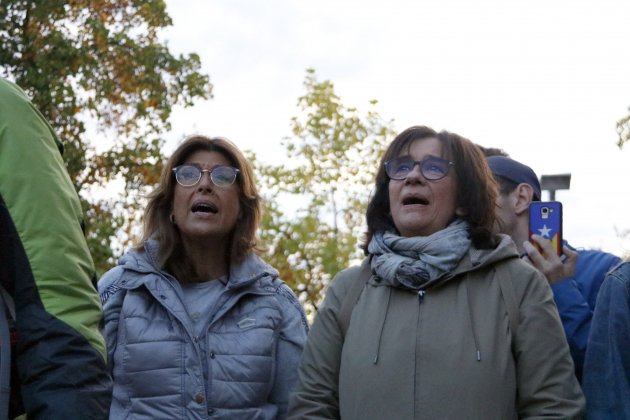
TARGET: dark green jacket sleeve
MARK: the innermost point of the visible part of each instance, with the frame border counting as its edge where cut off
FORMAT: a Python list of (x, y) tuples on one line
[(46, 267)]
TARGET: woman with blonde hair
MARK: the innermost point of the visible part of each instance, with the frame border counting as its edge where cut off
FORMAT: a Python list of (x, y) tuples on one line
[(196, 323)]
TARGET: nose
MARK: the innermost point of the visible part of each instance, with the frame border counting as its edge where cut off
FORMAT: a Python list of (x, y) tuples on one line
[(205, 182), (415, 175)]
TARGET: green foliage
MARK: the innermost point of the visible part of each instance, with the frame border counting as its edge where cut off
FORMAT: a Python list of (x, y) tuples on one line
[(102, 225), (101, 60), (333, 159), (623, 129)]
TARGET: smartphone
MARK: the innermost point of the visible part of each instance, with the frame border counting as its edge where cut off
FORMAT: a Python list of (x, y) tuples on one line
[(545, 219)]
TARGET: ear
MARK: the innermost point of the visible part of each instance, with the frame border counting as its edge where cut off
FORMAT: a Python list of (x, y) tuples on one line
[(523, 195), (460, 211)]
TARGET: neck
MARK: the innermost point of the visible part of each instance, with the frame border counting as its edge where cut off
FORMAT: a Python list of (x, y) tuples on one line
[(210, 260), (521, 233)]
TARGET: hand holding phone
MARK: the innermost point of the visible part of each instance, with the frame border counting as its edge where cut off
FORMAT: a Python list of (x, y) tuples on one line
[(554, 267), (545, 249), (545, 220)]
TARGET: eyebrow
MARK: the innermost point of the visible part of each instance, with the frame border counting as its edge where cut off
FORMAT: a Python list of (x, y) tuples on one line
[(200, 166), (425, 158)]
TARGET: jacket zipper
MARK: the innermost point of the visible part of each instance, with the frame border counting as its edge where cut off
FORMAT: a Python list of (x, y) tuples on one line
[(421, 294)]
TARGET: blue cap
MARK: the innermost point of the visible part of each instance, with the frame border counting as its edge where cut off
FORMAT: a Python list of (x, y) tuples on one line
[(515, 172)]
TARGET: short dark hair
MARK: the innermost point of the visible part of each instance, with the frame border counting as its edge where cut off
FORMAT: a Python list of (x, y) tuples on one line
[(517, 172), (492, 151), (506, 186), (476, 187)]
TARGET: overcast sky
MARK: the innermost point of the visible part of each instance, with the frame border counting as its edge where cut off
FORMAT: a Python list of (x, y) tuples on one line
[(544, 80)]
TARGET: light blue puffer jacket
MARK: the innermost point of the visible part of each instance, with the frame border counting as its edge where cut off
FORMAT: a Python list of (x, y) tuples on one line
[(254, 343)]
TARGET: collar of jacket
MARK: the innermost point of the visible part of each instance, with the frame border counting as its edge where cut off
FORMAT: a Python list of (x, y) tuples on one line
[(242, 274), (477, 258)]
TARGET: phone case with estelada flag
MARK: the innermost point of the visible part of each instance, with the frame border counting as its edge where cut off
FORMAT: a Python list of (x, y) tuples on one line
[(545, 219)]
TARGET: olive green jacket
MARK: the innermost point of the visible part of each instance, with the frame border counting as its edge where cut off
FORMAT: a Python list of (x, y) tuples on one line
[(447, 353)]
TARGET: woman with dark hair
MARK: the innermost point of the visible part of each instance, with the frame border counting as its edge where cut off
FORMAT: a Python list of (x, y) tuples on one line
[(197, 325), (449, 322)]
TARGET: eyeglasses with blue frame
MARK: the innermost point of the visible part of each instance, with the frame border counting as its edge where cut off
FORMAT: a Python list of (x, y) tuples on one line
[(431, 168)]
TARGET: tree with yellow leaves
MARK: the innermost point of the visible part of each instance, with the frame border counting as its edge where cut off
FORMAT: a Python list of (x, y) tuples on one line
[(101, 61)]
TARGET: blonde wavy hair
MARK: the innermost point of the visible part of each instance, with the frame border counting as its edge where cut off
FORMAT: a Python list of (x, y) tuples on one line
[(157, 223)]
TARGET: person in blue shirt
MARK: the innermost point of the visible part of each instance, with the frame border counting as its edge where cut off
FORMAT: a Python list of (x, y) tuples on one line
[(606, 380), (575, 278)]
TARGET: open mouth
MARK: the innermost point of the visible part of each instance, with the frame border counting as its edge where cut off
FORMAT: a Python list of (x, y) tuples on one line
[(204, 208), (415, 200)]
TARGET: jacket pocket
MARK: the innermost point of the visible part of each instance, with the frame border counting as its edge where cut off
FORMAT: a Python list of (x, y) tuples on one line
[(241, 350)]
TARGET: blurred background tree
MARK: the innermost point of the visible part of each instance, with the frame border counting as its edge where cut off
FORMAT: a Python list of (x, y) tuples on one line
[(327, 177), (101, 61), (623, 129)]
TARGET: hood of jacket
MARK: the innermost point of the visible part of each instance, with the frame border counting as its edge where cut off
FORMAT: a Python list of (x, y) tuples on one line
[(477, 258), (242, 274)]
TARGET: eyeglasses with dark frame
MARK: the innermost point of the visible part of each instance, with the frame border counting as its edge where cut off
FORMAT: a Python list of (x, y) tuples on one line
[(189, 175), (431, 168)]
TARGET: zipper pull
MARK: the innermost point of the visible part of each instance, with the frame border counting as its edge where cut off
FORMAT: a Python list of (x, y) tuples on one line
[(421, 294)]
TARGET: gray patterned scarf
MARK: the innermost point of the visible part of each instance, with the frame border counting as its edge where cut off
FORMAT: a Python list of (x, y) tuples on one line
[(414, 262)]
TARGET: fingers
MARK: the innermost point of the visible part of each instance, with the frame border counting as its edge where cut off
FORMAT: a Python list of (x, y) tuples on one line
[(534, 256), (570, 262), (547, 261), (571, 254), (545, 245)]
